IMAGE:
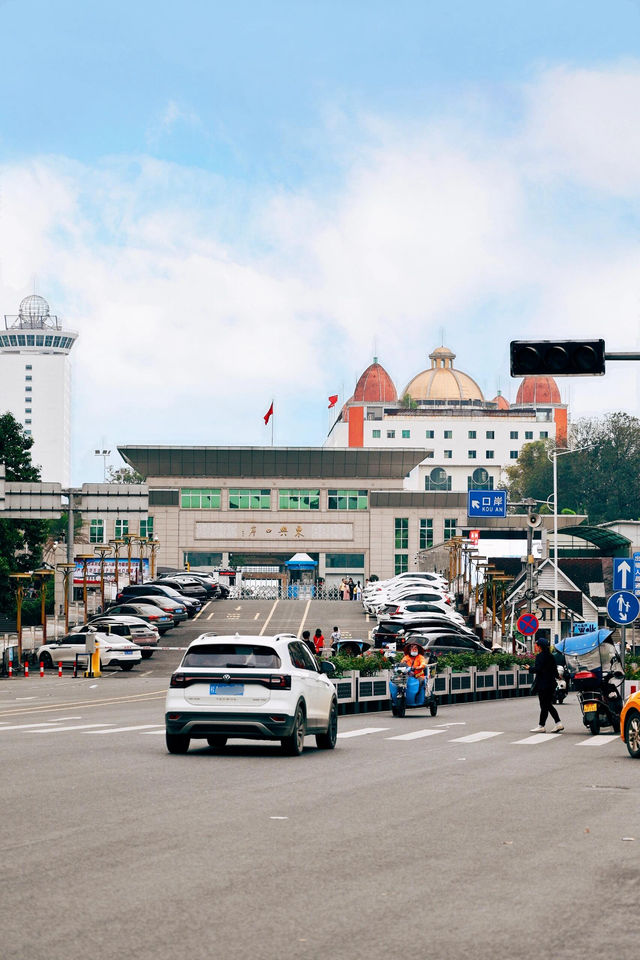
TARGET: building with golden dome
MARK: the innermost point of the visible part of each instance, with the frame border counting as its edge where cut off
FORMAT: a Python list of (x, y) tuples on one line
[(468, 441)]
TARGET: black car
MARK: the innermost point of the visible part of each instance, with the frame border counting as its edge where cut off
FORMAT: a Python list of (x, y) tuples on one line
[(217, 590), (446, 642), (189, 587), (393, 631), (155, 589)]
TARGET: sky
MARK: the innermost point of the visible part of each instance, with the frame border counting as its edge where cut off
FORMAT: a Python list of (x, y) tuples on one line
[(235, 203)]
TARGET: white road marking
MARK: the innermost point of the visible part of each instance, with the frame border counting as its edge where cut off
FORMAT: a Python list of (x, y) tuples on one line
[(143, 726), (210, 617), (82, 726), (25, 698), (538, 738), (239, 608), (150, 733), (271, 612), (456, 723), (33, 726), (257, 615), (361, 733), (201, 611), (416, 735), (304, 618), (475, 737), (598, 741)]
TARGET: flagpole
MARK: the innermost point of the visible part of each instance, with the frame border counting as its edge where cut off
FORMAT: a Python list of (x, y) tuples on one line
[(272, 419)]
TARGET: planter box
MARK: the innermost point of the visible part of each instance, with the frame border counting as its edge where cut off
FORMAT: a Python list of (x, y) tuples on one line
[(525, 679), (346, 687), (441, 683), (487, 680), (375, 687), (462, 682), (507, 680)]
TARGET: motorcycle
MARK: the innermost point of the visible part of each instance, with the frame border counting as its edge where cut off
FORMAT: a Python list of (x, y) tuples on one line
[(595, 669), (407, 692)]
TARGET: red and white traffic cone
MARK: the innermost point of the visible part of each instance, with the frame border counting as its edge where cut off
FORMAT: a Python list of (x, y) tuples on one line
[(26, 668), (60, 668), (10, 668), (41, 669)]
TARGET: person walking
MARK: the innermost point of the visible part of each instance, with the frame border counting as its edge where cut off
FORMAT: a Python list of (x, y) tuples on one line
[(352, 587), (306, 638), (546, 674), (345, 590), (318, 642), (358, 591), (335, 635)]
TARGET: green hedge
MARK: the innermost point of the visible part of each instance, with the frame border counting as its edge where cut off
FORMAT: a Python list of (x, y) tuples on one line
[(457, 661)]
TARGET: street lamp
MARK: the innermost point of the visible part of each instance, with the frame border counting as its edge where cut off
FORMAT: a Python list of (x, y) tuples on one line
[(102, 550), (67, 569), (20, 585), (43, 575), (142, 541), (127, 538), (115, 545), (154, 544), (104, 454), (553, 456), (84, 558)]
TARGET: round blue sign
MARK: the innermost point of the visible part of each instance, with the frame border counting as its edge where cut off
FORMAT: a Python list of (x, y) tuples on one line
[(527, 624), (623, 607)]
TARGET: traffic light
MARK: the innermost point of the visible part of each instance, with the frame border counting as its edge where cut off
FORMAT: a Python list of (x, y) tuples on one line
[(557, 358)]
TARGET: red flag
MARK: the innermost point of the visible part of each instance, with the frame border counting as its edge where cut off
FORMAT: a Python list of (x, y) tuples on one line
[(268, 414), (333, 400)]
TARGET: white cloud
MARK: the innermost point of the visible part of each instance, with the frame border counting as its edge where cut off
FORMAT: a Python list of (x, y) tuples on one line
[(197, 301)]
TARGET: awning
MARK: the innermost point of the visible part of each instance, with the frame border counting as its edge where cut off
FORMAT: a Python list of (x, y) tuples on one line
[(300, 561)]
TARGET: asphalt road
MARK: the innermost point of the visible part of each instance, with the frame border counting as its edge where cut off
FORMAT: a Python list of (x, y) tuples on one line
[(403, 842)]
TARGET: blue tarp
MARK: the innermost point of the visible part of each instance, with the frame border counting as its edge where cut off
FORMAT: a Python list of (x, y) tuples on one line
[(578, 646)]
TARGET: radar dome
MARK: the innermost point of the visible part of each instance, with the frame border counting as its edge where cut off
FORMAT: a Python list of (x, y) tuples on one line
[(33, 312)]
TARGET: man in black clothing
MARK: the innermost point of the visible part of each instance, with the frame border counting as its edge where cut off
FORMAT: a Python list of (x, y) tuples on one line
[(546, 674), (306, 637)]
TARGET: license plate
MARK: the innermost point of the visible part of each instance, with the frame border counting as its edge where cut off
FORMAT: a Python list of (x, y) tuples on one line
[(128, 653), (590, 707), (226, 689)]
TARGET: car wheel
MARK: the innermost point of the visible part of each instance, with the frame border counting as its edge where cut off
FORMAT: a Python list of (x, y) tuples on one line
[(632, 734), (177, 743), (327, 741), (127, 666), (146, 654), (217, 741), (433, 708), (46, 660), (294, 743)]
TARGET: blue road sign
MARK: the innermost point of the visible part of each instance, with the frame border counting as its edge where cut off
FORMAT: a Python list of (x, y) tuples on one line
[(487, 503), (636, 574), (623, 607), (623, 573)]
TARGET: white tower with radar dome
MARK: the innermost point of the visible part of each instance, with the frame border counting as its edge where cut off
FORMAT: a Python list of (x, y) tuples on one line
[(35, 383)]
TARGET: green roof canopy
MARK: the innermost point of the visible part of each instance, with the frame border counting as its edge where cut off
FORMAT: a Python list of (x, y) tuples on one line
[(608, 541)]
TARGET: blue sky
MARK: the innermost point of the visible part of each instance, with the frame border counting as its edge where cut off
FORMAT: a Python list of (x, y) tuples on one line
[(238, 201)]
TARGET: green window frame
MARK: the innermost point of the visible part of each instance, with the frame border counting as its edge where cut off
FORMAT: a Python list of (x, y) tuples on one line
[(490, 435), (528, 434), (348, 500), (200, 498), (402, 533), (513, 434), (298, 499), (450, 527), (391, 434), (544, 434), (376, 434), (448, 434), (471, 434), (146, 527), (121, 529), (96, 531), (344, 561), (429, 434), (401, 563), (471, 454), (406, 434), (426, 533), (247, 498)]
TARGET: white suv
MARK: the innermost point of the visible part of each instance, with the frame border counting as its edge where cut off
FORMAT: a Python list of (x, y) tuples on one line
[(255, 688)]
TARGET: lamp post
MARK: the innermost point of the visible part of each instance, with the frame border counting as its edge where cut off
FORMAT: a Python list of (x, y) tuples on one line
[(102, 550), (84, 559), (142, 542), (553, 456), (115, 545), (128, 537), (20, 585), (105, 454), (154, 544), (43, 575), (67, 570)]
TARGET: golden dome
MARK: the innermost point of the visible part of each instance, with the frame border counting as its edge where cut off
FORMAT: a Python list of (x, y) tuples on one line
[(442, 381)]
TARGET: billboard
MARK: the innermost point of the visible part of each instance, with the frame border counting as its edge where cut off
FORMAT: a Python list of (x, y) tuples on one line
[(93, 571)]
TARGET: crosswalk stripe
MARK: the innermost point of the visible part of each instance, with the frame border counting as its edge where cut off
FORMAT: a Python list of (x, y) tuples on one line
[(37, 726), (361, 733), (143, 726), (538, 738), (81, 726), (150, 733), (474, 737), (416, 735), (598, 741)]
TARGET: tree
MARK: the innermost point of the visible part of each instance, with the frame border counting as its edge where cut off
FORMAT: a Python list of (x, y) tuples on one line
[(124, 475), (20, 540), (408, 402)]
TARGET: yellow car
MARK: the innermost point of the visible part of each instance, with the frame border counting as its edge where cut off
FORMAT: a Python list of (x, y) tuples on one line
[(630, 725)]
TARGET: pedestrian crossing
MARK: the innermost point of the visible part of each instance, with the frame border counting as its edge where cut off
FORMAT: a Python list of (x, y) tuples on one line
[(443, 732)]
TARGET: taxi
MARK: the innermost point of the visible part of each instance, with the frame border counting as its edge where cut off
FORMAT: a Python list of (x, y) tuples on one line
[(630, 724)]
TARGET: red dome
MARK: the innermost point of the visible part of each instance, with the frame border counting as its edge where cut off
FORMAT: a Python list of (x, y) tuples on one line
[(501, 402), (375, 386), (535, 390)]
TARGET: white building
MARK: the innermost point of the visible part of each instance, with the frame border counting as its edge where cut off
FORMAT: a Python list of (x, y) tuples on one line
[(468, 441), (35, 384)]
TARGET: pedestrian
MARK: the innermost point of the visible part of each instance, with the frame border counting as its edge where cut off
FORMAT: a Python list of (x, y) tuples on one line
[(358, 591), (318, 642), (345, 590), (545, 669), (335, 635), (352, 587), (306, 638)]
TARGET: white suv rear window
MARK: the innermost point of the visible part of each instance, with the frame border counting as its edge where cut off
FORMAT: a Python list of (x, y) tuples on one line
[(232, 655)]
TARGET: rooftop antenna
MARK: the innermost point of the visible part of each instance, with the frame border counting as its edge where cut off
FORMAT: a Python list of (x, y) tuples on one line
[(442, 336)]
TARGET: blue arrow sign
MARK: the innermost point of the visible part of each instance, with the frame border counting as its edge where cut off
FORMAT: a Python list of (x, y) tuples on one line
[(623, 573), (623, 607), (636, 574), (487, 503)]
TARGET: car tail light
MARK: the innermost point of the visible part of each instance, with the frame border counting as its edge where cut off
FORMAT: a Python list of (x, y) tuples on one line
[(585, 675), (447, 600), (280, 682), (278, 718), (154, 616), (178, 680)]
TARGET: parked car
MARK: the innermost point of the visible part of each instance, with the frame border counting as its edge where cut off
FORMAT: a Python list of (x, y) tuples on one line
[(630, 725), (136, 590), (188, 587), (138, 631), (408, 611), (114, 651), (446, 642), (395, 630), (174, 608), (180, 580), (415, 600), (260, 688), (406, 592), (146, 611)]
